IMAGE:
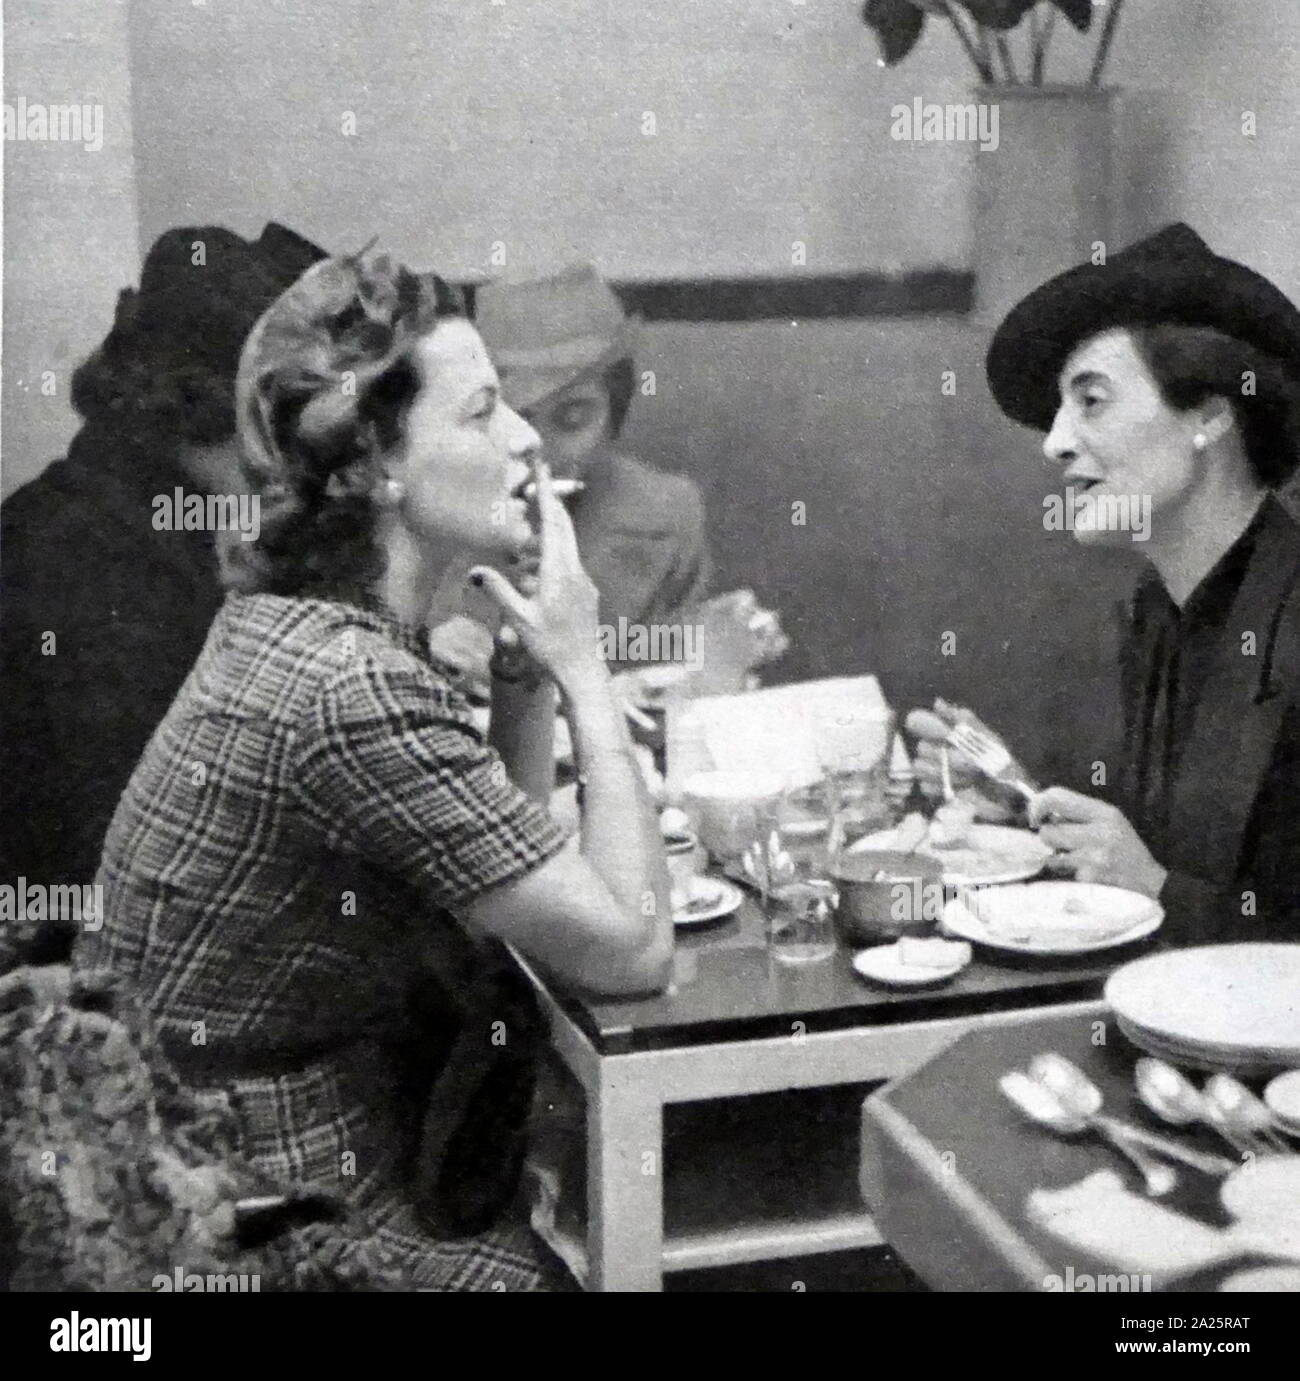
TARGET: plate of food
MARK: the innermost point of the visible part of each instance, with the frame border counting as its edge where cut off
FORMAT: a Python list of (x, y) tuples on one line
[(1052, 917), (913, 963), (708, 899), (967, 852)]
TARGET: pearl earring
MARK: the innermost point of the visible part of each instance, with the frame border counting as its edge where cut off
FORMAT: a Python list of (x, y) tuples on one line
[(1198, 441), (394, 491)]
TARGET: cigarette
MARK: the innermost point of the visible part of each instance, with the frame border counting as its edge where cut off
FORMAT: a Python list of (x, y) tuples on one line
[(562, 489)]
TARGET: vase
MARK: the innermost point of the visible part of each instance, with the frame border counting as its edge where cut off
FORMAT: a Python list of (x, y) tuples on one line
[(1044, 196)]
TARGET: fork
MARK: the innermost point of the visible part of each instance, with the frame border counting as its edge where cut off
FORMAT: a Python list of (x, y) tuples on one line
[(991, 757)]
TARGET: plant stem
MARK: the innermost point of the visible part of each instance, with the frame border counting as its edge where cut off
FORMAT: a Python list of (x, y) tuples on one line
[(1107, 37), (1044, 37), (1004, 52), (983, 68)]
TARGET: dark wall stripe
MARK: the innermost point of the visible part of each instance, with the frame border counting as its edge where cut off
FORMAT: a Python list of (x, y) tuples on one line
[(936, 292), (939, 292)]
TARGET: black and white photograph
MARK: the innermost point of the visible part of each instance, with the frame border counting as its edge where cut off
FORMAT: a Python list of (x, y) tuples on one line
[(650, 648)]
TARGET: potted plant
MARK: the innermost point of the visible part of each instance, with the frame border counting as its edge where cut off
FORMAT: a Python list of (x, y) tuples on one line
[(1044, 188)]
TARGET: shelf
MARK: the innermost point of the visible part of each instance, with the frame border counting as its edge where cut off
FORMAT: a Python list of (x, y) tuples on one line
[(746, 1180)]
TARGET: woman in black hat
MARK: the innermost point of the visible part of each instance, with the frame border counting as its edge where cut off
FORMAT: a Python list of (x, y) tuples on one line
[(104, 611), (1167, 382)]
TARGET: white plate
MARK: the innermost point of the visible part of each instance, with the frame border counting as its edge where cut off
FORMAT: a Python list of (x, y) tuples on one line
[(880, 964), (710, 898), (1231, 1001), (1052, 917), (998, 853), (1244, 1064)]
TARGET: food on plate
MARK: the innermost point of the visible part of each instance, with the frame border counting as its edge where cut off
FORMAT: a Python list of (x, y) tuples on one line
[(911, 832), (951, 826), (932, 953)]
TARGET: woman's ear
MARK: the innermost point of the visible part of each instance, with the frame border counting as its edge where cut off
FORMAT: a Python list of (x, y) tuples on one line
[(1216, 419)]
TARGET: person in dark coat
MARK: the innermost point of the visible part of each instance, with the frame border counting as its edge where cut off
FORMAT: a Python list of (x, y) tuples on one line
[(1167, 383), (104, 605)]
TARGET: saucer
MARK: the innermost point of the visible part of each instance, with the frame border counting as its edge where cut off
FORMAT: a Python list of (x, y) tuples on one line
[(711, 898), (884, 964)]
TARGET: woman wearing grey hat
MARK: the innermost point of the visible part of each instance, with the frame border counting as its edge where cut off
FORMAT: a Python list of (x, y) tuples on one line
[(1167, 382)]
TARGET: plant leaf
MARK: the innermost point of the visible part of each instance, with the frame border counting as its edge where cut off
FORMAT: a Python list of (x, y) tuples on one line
[(897, 25), (999, 14), (1078, 12)]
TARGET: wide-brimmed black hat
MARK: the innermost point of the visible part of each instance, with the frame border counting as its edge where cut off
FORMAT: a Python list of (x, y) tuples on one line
[(1169, 277), (202, 289)]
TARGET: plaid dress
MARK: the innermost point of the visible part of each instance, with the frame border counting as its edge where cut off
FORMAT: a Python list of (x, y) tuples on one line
[(280, 879)]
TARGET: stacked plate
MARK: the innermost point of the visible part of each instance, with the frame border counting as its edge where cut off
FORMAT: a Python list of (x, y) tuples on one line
[(1219, 1007)]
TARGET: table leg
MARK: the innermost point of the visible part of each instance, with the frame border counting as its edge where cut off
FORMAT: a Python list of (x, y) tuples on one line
[(625, 1184)]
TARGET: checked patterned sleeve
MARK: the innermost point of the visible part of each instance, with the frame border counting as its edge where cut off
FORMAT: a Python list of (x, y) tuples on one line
[(389, 767)]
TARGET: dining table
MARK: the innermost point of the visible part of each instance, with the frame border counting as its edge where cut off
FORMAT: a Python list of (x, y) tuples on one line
[(950, 1165), (738, 1021)]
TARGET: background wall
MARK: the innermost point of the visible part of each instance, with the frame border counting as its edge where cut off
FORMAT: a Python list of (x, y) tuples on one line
[(70, 219), (485, 130)]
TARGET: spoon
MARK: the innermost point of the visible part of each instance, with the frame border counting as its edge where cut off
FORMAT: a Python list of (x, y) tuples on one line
[(1079, 1094), (1239, 1108), (1042, 1105), (1174, 1098)]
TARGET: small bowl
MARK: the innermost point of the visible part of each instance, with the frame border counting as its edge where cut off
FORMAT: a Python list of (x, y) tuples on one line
[(729, 807), (886, 894)]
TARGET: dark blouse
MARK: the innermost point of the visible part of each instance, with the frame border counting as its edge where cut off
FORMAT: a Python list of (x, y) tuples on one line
[(1178, 647), (1212, 760)]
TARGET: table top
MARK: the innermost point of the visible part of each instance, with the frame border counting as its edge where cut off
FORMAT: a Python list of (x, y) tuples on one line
[(967, 1229), (726, 986)]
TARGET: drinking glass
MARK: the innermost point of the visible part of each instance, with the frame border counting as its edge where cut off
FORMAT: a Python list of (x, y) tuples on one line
[(801, 920), (853, 753)]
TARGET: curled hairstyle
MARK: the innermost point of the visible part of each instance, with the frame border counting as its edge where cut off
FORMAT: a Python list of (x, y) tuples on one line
[(325, 383), (1191, 364)]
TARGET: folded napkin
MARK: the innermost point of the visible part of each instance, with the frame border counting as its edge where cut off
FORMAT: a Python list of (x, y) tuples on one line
[(798, 731), (1109, 1222)]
